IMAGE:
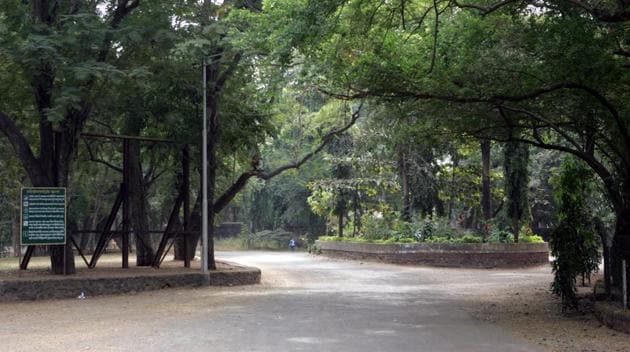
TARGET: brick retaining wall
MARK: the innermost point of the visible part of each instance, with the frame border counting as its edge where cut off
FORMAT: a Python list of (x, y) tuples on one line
[(476, 255), (70, 287)]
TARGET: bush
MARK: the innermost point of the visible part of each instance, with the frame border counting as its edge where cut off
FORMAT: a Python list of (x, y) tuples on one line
[(526, 235), (314, 249), (531, 239), (429, 230), (375, 228), (464, 239), (471, 239), (439, 239), (330, 238), (573, 242), (500, 236)]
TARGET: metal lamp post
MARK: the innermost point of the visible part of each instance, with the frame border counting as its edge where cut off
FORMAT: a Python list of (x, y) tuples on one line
[(204, 163)]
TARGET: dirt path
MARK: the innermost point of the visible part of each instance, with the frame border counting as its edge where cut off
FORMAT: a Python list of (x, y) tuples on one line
[(519, 301), (310, 303)]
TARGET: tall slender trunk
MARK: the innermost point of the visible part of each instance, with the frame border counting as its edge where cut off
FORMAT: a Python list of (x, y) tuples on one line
[(404, 180), (486, 195), (452, 191), (620, 249), (515, 228), (65, 141), (139, 207), (194, 226), (342, 210), (15, 229)]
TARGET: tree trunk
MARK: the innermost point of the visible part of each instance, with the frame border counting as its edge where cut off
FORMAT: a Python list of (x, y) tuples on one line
[(342, 210), (404, 180), (139, 206), (515, 228), (620, 249), (486, 195), (62, 256), (15, 228), (452, 190), (179, 245), (194, 226)]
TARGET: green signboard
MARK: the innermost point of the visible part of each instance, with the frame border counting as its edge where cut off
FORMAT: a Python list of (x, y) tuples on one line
[(43, 216)]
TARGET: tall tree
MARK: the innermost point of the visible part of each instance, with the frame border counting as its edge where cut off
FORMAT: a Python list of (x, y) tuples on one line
[(46, 42), (573, 242), (486, 190), (515, 165)]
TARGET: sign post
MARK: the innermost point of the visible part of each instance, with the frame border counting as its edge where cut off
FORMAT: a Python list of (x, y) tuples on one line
[(43, 216)]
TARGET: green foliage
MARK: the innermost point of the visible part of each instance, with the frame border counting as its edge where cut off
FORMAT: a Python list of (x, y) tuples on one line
[(269, 239), (376, 228), (515, 164), (330, 238), (500, 236), (573, 242), (531, 239), (526, 235), (468, 238), (314, 249)]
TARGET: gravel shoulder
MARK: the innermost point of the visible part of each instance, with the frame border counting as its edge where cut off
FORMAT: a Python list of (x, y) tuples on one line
[(530, 311)]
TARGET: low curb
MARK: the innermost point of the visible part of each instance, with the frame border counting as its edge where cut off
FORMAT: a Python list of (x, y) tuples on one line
[(612, 315), (71, 287), (472, 255)]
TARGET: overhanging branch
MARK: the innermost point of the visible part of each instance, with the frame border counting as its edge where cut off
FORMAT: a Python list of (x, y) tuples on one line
[(621, 13), (95, 159), (242, 180), (23, 150)]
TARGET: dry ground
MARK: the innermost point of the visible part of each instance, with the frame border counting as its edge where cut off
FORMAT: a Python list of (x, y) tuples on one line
[(529, 310)]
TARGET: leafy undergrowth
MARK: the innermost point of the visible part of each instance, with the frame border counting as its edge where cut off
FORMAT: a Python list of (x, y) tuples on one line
[(434, 239)]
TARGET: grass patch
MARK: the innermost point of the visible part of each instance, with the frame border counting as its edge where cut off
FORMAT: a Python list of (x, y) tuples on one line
[(230, 244), (240, 244)]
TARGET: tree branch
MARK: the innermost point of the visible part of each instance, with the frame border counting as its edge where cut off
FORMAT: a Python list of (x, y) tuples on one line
[(123, 8), (98, 160), (548, 123), (228, 72), (621, 14), (242, 180), (23, 150), (436, 29), (499, 99), (622, 52), (599, 168), (486, 10)]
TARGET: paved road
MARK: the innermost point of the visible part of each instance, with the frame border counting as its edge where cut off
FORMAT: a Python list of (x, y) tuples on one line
[(304, 304)]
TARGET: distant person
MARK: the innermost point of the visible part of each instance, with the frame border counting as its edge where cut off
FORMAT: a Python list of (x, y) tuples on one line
[(292, 244)]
